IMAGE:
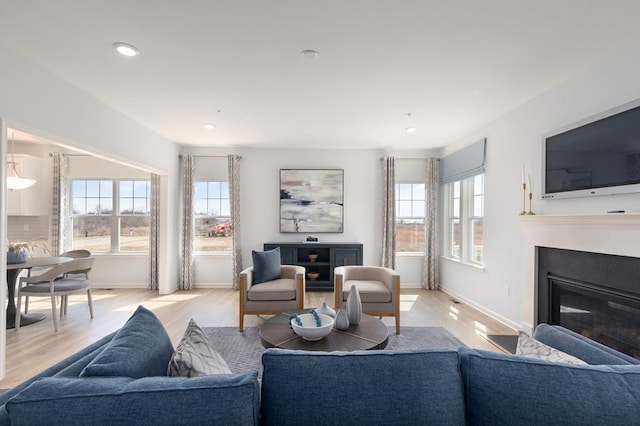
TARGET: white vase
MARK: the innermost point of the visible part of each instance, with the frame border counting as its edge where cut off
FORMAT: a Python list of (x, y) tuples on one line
[(327, 310), (354, 306), (342, 320)]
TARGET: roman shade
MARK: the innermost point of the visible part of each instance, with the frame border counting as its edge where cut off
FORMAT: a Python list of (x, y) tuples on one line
[(462, 164)]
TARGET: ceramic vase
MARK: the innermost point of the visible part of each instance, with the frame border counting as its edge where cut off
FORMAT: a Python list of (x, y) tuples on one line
[(342, 319), (354, 306), (327, 310), (20, 255)]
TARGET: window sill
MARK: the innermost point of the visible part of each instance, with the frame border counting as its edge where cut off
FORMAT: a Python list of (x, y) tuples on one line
[(409, 254), (212, 253), (461, 262)]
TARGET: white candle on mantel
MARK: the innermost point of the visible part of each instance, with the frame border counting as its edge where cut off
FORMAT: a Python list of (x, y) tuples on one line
[(530, 186), (523, 181)]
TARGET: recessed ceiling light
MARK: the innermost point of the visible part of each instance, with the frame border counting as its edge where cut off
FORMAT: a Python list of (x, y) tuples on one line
[(411, 129), (126, 49), (309, 54), (209, 126)]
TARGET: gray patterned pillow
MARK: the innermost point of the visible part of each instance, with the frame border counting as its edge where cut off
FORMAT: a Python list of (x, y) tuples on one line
[(194, 356), (532, 348)]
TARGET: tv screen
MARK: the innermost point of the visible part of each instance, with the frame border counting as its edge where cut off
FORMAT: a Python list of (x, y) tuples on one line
[(596, 157)]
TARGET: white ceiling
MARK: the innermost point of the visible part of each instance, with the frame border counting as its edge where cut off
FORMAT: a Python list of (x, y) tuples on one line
[(453, 64)]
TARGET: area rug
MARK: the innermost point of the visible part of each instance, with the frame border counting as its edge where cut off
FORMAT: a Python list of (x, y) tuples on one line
[(243, 351)]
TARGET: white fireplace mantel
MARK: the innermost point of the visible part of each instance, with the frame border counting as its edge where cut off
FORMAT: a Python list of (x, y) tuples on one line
[(615, 233)]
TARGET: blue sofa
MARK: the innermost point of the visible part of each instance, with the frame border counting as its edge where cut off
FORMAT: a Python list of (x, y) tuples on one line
[(455, 387)]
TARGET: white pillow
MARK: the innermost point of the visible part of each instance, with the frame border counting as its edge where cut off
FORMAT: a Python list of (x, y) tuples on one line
[(194, 356), (533, 349)]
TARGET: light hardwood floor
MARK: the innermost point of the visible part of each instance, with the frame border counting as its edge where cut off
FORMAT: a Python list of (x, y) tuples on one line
[(33, 348)]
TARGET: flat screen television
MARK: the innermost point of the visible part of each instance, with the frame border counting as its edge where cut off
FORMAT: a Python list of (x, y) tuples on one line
[(597, 156)]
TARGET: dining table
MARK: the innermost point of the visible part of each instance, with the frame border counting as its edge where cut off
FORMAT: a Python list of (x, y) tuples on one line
[(13, 271)]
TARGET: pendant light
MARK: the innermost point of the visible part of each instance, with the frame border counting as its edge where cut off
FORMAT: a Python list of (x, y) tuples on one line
[(14, 180)]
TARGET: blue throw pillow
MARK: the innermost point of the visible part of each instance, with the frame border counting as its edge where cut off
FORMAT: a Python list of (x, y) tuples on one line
[(141, 348), (266, 265)]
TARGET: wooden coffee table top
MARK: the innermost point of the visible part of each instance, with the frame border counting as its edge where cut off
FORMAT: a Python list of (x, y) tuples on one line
[(371, 333)]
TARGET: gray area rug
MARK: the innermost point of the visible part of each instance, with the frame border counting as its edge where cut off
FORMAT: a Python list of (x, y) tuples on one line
[(243, 351)]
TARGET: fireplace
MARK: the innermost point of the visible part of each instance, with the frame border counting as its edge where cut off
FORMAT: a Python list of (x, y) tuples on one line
[(596, 295)]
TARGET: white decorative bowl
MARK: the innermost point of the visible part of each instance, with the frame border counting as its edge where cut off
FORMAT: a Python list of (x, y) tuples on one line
[(309, 330)]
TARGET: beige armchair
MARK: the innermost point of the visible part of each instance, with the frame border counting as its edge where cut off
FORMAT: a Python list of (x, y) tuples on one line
[(272, 297), (379, 289)]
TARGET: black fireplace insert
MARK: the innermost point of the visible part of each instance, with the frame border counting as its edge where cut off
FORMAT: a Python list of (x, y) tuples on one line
[(593, 294)]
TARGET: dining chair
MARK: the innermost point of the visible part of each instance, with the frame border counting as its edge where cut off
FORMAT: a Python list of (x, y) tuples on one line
[(75, 254), (49, 284)]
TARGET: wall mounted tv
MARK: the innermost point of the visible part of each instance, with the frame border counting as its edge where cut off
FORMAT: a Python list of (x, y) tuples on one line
[(598, 156)]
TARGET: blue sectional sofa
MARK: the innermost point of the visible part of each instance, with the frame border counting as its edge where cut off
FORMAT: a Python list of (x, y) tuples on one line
[(119, 380)]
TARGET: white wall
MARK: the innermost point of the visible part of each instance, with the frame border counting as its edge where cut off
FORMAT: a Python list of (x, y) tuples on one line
[(514, 140), (260, 208), (35, 101)]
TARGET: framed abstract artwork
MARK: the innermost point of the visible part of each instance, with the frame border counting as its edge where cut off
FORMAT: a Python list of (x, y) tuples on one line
[(311, 200)]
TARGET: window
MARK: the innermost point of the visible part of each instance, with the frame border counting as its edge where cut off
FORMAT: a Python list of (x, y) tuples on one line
[(410, 214), (465, 213), (110, 215), (454, 228), (476, 218), (134, 197), (212, 211)]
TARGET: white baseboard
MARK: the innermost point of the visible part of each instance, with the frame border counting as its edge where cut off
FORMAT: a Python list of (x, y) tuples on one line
[(214, 285), (119, 285), (410, 285), (506, 321)]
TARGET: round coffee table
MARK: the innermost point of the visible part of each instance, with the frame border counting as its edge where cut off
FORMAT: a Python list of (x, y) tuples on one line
[(371, 333)]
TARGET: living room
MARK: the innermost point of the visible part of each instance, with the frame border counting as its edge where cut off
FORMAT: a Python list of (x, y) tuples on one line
[(31, 99)]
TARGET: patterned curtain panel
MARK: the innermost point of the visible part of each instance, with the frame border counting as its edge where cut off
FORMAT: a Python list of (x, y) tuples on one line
[(234, 193), (154, 232), (430, 268), (186, 277), (388, 213), (59, 201)]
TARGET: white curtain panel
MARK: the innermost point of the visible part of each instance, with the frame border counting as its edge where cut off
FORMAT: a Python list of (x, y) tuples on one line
[(388, 213), (59, 201), (187, 258), (154, 231), (234, 194), (430, 268)]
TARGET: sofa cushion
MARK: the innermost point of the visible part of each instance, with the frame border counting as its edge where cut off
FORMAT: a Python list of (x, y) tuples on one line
[(229, 399), (141, 348), (579, 346), (532, 348), (509, 389), (361, 387), (370, 291), (279, 289), (266, 265), (195, 356)]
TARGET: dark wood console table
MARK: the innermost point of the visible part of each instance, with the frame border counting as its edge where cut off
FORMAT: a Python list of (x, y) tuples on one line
[(330, 256)]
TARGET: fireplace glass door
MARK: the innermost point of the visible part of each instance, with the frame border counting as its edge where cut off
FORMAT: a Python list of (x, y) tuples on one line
[(610, 318)]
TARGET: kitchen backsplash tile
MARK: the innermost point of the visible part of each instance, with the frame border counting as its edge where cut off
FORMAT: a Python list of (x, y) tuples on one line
[(27, 228)]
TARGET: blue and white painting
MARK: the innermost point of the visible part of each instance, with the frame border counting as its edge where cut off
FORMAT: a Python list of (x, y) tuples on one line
[(311, 200)]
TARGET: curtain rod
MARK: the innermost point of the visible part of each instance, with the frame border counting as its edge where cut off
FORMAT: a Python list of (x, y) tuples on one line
[(209, 156)]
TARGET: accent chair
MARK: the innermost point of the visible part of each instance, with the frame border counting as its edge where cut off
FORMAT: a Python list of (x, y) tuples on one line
[(379, 289), (285, 294)]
